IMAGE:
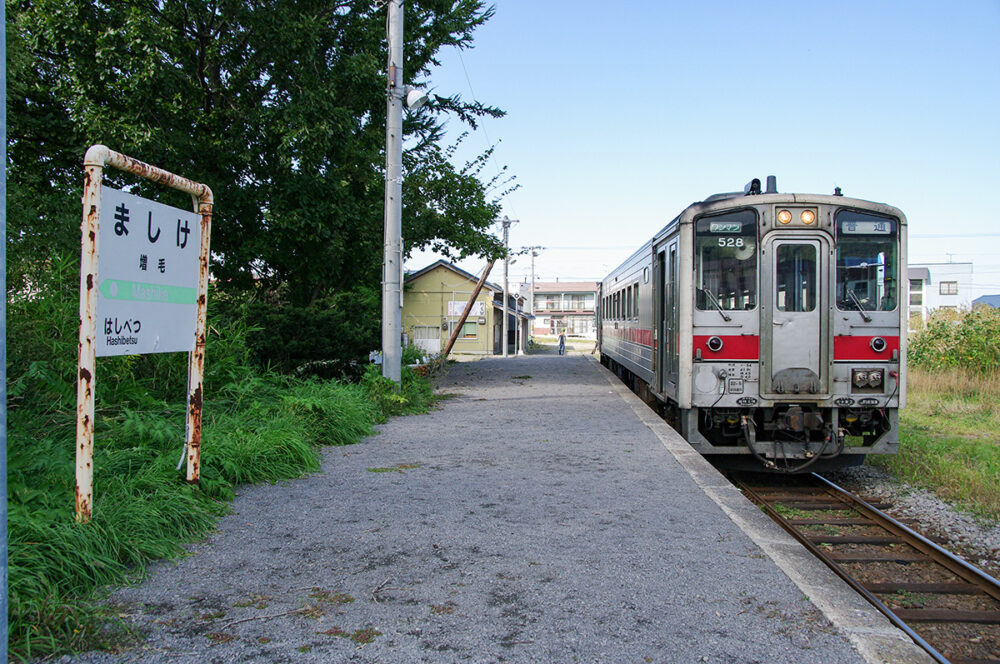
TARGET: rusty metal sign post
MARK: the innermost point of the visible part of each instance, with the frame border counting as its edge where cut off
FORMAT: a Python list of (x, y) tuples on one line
[(99, 157)]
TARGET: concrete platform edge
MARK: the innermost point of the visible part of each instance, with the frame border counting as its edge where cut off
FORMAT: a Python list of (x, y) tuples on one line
[(877, 640)]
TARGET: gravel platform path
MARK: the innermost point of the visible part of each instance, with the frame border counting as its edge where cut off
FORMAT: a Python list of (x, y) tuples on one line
[(531, 518)]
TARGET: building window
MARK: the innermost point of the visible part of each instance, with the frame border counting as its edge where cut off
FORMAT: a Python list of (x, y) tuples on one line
[(948, 288), (469, 330), (916, 292)]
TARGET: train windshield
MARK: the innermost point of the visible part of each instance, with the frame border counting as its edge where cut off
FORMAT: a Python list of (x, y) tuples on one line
[(726, 261), (867, 261)]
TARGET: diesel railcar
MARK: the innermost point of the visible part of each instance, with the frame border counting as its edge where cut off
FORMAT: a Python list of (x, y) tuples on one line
[(768, 328)]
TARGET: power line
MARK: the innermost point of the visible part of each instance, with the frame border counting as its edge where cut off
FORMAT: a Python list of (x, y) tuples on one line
[(602, 247), (950, 235), (482, 125)]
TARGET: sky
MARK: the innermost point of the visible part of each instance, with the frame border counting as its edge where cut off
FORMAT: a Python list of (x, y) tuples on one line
[(621, 115)]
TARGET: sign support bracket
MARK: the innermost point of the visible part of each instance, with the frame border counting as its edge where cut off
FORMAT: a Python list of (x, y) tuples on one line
[(97, 158)]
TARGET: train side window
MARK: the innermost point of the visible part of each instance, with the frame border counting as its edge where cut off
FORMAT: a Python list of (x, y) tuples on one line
[(795, 277), (635, 301)]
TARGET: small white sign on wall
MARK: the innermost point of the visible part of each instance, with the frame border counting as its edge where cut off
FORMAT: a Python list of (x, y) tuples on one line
[(455, 308)]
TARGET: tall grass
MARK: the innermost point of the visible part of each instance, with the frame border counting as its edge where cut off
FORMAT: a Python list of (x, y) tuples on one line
[(259, 426), (950, 428)]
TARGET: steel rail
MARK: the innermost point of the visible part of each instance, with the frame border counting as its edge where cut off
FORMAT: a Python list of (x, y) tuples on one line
[(950, 561), (841, 572)]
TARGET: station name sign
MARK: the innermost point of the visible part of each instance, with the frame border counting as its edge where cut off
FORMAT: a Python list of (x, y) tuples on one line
[(147, 293)]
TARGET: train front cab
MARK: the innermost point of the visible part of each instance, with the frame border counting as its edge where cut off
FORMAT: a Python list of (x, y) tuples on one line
[(796, 359)]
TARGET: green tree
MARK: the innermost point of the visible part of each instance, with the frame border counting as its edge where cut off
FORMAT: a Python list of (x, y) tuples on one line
[(279, 105)]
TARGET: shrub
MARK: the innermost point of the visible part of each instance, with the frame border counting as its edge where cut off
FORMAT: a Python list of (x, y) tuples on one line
[(968, 340)]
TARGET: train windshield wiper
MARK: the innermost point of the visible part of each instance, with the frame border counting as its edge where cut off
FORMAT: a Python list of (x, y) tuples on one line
[(861, 310), (715, 302)]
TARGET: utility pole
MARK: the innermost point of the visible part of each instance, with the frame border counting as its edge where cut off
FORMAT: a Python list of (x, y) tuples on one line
[(506, 265), (3, 340), (392, 263), (531, 291)]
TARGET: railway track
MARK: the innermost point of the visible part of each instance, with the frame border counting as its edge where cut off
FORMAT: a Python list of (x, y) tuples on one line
[(947, 606)]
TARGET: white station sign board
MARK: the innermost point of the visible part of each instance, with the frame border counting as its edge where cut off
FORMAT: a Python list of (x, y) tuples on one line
[(147, 272)]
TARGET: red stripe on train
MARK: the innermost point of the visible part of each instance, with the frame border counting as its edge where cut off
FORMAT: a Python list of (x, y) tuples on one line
[(859, 348), (634, 334), (734, 347)]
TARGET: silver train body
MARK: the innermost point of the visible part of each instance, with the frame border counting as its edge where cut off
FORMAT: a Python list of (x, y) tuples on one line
[(768, 328)]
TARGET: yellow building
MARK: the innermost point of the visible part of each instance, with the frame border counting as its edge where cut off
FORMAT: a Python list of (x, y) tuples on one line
[(434, 299)]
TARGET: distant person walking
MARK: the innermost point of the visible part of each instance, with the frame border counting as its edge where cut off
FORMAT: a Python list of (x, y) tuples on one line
[(562, 343)]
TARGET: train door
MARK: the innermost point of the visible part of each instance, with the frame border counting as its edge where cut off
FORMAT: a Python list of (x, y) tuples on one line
[(794, 348), (671, 320), (659, 332)]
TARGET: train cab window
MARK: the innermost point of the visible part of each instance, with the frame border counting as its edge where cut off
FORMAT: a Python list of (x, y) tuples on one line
[(726, 261), (795, 277), (867, 261)]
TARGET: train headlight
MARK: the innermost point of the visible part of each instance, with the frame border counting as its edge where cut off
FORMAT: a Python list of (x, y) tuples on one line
[(878, 344), (875, 378), (860, 378), (807, 216), (785, 216)]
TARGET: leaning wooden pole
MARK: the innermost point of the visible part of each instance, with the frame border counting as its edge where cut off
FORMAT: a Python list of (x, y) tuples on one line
[(468, 308)]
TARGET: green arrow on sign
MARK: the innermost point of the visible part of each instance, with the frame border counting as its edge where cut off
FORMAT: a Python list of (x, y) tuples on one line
[(117, 289)]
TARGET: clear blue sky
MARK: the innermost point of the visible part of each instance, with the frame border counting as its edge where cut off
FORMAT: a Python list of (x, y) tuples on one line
[(620, 115)]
